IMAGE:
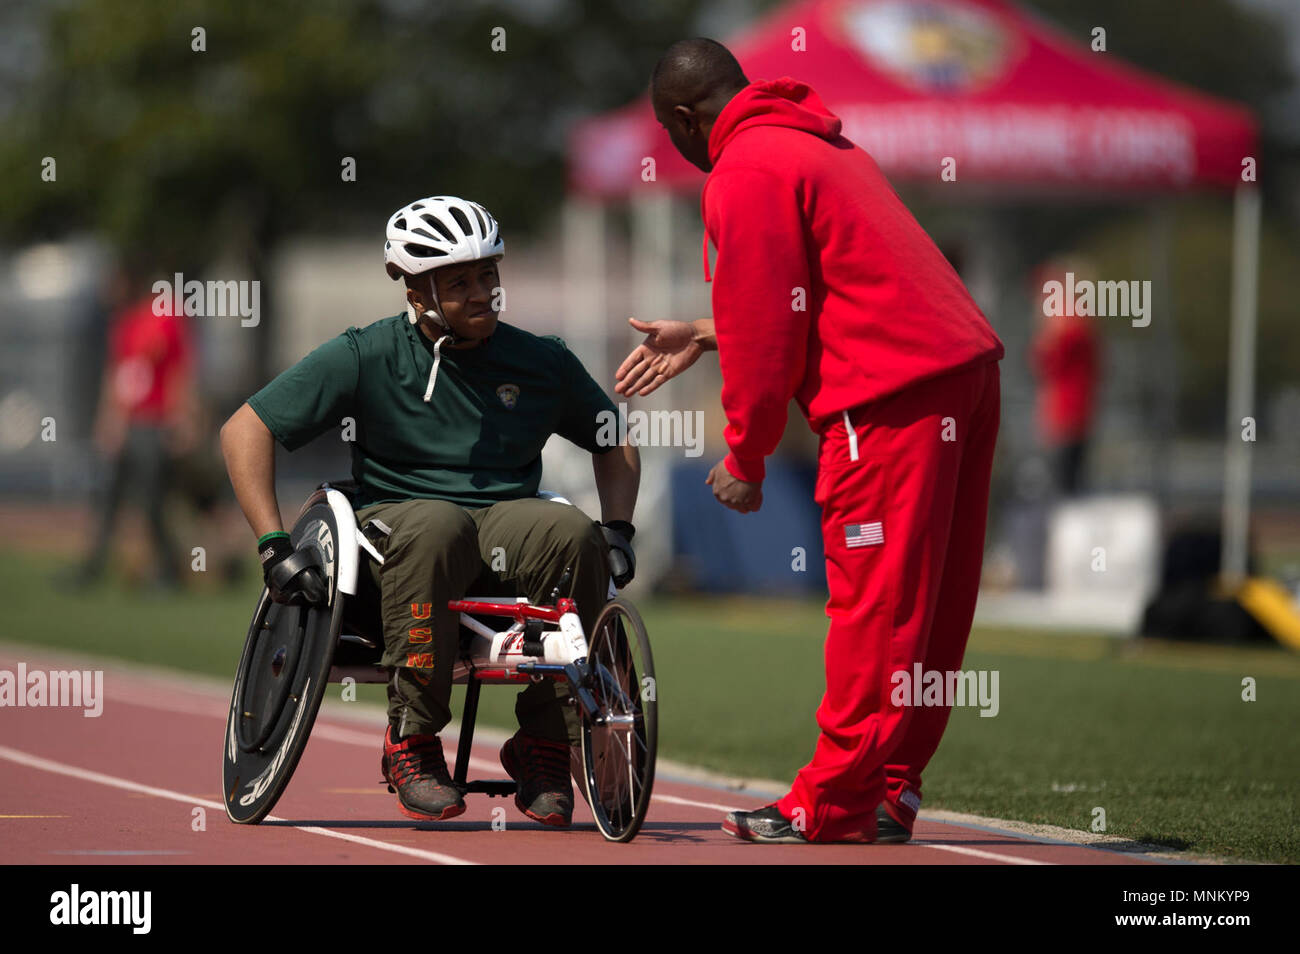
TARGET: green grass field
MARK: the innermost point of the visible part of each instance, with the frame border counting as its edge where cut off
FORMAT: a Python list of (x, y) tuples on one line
[(1156, 734)]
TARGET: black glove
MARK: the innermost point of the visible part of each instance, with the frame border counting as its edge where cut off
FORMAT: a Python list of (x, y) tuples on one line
[(292, 576), (622, 561)]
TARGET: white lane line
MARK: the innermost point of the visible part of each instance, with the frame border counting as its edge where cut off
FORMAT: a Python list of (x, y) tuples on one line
[(33, 761), (337, 733), (977, 853), (690, 802), (974, 852)]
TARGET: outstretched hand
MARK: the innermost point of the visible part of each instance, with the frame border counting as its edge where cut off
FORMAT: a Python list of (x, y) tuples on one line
[(668, 350)]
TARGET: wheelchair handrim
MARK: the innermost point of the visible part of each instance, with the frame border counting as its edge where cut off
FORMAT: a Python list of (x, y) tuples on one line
[(267, 638)]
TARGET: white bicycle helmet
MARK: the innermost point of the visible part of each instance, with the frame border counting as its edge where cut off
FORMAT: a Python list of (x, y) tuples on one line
[(441, 230)]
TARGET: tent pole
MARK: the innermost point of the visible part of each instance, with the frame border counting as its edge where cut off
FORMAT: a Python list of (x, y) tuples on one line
[(1166, 345), (1241, 384)]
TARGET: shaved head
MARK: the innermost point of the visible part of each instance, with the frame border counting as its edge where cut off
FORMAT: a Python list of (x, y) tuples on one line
[(689, 87), (692, 71)]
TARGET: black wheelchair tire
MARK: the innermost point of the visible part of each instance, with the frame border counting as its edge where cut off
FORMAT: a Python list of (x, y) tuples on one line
[(256, 770)]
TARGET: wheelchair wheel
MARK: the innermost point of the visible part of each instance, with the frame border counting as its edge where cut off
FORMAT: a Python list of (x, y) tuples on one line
[(282, 677), (619, 743)]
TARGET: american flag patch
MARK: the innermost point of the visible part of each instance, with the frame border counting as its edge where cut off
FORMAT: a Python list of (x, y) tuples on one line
[(863, 534)]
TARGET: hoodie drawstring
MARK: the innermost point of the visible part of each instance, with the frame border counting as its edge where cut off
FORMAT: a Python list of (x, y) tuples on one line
[(433, 373), (707, 277)]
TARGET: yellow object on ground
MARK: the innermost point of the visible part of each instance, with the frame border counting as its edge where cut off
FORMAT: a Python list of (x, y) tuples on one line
[(1273, 607)]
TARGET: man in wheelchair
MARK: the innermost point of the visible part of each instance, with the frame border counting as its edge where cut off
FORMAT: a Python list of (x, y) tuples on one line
[(451, 408)]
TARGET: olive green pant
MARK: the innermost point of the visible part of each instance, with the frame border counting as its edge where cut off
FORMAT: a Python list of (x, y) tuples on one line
[(438, 551)]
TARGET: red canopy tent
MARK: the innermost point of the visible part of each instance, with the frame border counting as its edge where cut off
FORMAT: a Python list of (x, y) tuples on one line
[(1015, 107), (1016, 103)]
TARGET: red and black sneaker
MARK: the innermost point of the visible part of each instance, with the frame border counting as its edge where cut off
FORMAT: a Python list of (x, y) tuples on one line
[(416, 771), (542, 770)]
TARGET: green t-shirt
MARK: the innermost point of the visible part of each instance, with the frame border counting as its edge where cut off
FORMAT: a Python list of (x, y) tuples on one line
[(479, 438)]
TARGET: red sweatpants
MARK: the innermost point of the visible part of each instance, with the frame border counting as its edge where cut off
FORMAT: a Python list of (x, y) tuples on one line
[(904, 500)]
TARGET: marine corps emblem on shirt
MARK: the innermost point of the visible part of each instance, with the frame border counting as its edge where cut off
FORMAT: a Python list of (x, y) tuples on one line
[(509, 395)]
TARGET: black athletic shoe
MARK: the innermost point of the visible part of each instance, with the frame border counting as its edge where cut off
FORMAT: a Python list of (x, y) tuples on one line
[(541, 768), (766, 825), (416, 772), (888, 831)]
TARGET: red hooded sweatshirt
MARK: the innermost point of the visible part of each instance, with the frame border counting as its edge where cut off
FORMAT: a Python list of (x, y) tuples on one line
[(826, 289)]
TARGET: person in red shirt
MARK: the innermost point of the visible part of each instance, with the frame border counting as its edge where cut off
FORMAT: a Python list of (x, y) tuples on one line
[(146, 416), (1065, 357), (828, 291)]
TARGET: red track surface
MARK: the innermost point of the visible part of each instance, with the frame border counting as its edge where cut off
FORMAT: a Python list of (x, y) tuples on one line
[(122, 788)]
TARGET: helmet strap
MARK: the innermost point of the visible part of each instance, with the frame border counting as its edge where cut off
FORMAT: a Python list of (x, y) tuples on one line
[(438, 319)]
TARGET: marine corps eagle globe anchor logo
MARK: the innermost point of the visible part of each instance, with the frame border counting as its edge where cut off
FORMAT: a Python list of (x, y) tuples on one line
[(509, 395)]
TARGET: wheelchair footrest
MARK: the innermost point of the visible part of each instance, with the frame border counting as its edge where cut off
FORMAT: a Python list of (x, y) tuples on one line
[(493, 788)]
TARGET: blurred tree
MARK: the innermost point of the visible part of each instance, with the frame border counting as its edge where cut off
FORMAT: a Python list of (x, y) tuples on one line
[(188, 153), (1214, 45)]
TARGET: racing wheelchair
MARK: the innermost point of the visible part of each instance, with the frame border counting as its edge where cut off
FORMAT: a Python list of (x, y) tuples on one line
[(292, 653)]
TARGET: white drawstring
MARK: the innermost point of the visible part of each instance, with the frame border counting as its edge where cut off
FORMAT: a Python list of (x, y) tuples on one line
[(853, 436), (414, 317), (433, 373)]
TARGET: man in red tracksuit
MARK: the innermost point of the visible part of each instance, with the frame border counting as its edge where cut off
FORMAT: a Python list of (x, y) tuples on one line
[(826, 290), (1065, 357)]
